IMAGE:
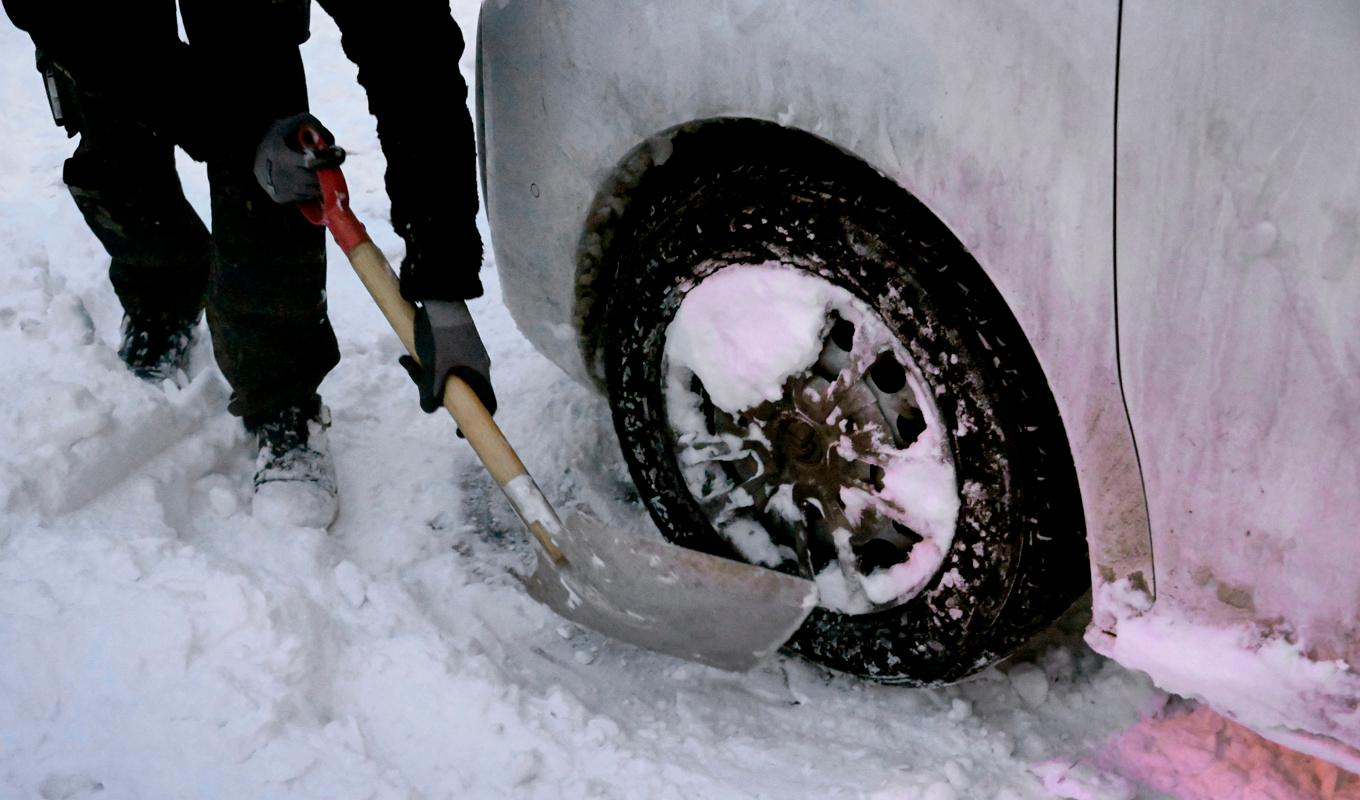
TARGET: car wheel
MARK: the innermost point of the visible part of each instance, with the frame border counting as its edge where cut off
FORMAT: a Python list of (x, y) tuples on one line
[(808, 371)]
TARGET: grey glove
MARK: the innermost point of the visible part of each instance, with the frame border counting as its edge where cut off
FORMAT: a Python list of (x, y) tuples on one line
[(447, 343), (284, 169)]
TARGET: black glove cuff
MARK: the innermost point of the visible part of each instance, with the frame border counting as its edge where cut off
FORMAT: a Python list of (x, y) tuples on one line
[(418, 285), (442, 260)]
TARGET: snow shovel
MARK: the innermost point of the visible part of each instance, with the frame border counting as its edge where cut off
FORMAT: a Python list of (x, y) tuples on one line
[(637, 589)]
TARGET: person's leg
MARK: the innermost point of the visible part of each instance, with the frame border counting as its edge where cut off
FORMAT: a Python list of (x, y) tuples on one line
[(266, 296), (267, 311), (122, 178), (266, 293)]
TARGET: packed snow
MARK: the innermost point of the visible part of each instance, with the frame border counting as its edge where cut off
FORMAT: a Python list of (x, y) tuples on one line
[(157, 641), (1269, 679), (745, 329)]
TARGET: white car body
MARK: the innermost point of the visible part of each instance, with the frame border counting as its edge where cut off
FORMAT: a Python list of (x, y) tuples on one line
[(1221, 213)]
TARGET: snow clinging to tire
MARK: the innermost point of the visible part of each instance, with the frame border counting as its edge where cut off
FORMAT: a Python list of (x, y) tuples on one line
[(797, 416)]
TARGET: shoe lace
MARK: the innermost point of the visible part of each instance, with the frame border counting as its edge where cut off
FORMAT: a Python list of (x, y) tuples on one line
[(287, 432), (152, 338)]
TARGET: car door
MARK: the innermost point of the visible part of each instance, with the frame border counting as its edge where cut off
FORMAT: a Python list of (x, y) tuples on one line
[(1238, 237)]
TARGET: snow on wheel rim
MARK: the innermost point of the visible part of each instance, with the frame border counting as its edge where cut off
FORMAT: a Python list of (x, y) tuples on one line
[(808, 436)]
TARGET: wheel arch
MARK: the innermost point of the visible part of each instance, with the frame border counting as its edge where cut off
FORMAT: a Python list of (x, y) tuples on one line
[(1110, 483)]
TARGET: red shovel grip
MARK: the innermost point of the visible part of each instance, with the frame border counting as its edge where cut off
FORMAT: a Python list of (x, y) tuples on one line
[(332, 210)]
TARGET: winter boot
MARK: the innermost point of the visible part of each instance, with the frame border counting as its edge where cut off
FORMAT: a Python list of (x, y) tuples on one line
[(155, 346), (294, 476)]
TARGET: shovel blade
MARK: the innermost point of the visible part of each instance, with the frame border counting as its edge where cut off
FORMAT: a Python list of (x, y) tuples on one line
[(670, 599)]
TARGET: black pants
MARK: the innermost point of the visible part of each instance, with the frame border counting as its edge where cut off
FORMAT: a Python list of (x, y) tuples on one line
[(260, 273)]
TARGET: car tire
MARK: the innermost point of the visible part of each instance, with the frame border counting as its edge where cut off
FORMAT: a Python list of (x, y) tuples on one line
[(1018, 557)]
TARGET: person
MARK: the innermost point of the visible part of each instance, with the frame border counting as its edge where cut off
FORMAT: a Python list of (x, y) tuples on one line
[(234, 96)]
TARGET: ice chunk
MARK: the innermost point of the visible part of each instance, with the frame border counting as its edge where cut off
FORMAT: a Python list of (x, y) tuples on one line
[(1030, 682)]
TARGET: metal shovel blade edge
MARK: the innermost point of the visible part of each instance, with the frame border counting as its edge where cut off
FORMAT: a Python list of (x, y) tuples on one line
[(667, 598)]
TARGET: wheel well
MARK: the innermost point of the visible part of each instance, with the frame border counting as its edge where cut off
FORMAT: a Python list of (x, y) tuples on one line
[(743, 171)]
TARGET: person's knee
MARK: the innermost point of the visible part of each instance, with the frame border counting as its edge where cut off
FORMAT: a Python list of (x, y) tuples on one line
[(129, 165)]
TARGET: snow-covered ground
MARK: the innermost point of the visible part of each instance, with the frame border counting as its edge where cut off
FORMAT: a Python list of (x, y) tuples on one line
[(156, 642)]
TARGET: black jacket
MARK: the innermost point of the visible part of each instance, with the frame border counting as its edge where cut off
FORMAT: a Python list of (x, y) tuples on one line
[(407, 53)]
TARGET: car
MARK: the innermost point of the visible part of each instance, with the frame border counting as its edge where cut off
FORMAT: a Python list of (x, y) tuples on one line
[(963, 309)]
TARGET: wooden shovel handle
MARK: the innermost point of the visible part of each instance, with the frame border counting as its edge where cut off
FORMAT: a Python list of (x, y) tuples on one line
[(472, 417), (482, 432), (462, 403)]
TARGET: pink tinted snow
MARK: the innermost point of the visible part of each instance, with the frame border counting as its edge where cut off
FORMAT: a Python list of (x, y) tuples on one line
[(1191, 752), (913, 481), (904, 579)]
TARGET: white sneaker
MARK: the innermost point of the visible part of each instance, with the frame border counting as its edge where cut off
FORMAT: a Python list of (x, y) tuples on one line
[(294, 476)]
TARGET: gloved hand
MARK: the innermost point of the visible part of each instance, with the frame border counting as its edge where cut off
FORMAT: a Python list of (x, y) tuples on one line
[(284, 169), (447, 342)]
